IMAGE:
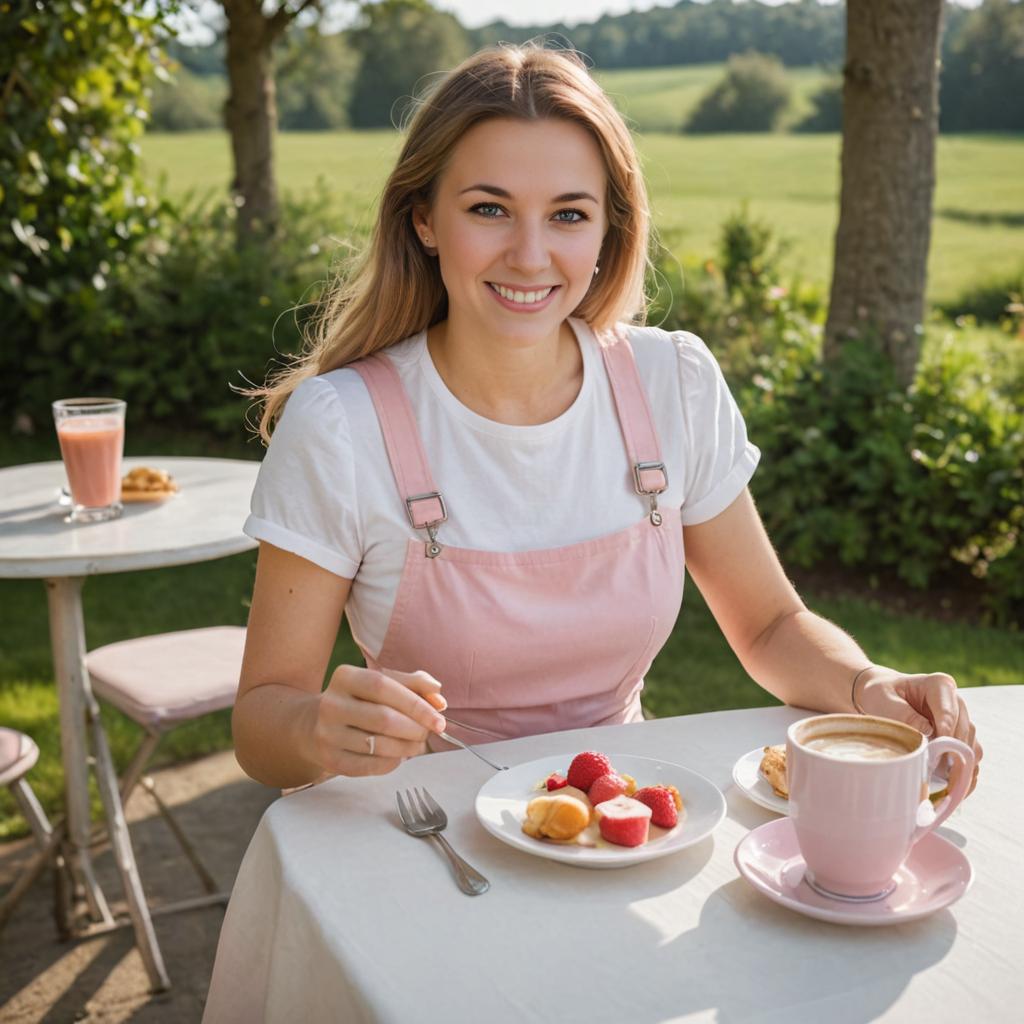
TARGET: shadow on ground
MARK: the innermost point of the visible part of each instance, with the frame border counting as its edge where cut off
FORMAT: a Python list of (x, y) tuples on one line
[(103, 978)]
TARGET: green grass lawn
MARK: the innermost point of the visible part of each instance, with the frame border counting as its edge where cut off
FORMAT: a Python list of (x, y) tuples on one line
[(695, 182)]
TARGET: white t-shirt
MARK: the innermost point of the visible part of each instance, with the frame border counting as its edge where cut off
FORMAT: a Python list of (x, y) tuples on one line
[(326, 491)]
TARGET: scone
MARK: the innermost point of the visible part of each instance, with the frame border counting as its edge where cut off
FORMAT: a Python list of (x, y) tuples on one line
[(559, 817), (146, 484), (773, 768)]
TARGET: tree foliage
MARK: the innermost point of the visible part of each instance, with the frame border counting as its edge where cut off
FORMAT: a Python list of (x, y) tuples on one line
[(983, 71), (400, 43), (751, 97), (315, 75), (74, 103)]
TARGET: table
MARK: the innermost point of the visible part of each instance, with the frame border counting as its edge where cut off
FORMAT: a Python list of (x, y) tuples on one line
[(337, 915), (203, 521)]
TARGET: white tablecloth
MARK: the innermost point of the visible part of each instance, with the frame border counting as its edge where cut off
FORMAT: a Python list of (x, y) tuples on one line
[(337, 915)]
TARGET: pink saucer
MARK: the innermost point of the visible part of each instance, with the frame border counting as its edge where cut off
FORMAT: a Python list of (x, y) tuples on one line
[(935, 875)]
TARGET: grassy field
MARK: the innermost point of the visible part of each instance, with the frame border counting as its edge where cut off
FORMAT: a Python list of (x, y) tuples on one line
[(790, 181)]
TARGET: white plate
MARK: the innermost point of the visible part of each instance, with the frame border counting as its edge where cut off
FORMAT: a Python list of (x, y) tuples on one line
[(501, 808), (750, 782), (753, 785)]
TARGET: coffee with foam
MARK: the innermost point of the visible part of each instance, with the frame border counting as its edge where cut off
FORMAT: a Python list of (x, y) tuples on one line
[(858, 746)]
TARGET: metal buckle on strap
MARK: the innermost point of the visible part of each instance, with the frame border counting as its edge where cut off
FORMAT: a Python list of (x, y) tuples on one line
[(641, 467), (650, 493), (433, 549)]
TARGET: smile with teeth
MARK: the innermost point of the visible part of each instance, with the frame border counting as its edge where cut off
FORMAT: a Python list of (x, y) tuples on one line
[(523, 298)]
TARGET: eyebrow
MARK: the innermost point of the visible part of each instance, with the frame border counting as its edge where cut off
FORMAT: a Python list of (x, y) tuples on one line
[(494, 190)]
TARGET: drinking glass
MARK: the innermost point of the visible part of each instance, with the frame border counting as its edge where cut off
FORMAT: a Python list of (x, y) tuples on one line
[(91, 436)]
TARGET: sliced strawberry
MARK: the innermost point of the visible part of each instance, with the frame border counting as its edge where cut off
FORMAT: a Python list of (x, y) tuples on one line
[(607, 787), (586, 767), (624, 821), (664, 802), (556, 781)]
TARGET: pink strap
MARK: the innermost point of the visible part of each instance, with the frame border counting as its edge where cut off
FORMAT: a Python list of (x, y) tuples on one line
[(649, 476), (409, 463)]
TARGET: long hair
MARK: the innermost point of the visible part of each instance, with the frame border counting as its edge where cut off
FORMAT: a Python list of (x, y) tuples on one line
[(525, 82)]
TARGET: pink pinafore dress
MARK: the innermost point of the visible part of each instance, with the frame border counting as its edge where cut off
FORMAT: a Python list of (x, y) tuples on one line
[(527, 642)]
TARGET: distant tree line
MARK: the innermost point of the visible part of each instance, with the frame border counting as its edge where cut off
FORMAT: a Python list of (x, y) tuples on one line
[(365, 77)]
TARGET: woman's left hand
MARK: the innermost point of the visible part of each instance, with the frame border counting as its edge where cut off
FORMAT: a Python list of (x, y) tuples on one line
[(929, 702)]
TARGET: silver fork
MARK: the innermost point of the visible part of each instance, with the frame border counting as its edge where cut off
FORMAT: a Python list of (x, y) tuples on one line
[(423, 816)]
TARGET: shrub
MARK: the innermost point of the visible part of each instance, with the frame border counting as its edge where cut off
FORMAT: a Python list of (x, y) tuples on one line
[(826, 113), (926, 482), (996, 301), (71, 197), (751, 97), (195, 317)]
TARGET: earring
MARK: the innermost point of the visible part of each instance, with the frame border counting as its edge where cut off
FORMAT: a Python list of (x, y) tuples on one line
[(597, 270), (426, 241)]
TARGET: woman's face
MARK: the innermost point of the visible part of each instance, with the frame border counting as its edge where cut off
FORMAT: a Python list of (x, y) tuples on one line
[(517, 222)]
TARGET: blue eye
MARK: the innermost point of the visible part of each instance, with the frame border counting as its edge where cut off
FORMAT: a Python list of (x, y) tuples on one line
[(489, 210), (576, 216)]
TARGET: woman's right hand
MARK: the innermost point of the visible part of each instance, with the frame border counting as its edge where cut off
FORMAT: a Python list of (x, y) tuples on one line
[(368, 722)]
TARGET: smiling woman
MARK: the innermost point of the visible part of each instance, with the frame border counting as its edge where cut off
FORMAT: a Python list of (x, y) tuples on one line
[(493, 470)]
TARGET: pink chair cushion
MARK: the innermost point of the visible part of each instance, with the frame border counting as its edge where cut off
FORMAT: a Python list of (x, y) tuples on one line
[(160, 681), (18, 753)]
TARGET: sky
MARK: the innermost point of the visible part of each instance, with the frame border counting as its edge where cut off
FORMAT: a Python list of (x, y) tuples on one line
[(473, 13)]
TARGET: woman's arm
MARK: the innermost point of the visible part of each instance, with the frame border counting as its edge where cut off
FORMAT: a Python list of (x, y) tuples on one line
[(287, 730), (798, 656)]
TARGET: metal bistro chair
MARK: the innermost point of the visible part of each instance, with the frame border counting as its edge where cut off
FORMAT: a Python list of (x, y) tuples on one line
[(161, 682), (18, 755)]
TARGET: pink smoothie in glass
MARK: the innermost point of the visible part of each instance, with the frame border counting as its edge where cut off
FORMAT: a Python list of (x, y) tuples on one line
[(91, 447)]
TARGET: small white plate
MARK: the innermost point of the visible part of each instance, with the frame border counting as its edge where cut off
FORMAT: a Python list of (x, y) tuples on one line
[(501, 808), (752, 784), (749, 780)]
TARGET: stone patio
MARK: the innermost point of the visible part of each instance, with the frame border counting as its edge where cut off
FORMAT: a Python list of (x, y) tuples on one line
[(103, 979)]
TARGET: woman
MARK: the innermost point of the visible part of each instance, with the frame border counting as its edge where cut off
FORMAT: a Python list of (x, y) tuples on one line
[(496, 478)]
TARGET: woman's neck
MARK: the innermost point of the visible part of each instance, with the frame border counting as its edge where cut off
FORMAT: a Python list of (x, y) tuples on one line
[(511, 382)]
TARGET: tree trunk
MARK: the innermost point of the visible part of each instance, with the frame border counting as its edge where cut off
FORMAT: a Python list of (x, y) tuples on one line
[(890, 122), (251, 116)]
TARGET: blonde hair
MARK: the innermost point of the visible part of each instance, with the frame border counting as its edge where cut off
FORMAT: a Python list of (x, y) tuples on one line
[(526, 82)]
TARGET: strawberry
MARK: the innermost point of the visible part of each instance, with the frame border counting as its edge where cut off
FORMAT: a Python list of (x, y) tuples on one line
[(556, 781), (624, 821), (665, 804), (607, 787), (586, 767)]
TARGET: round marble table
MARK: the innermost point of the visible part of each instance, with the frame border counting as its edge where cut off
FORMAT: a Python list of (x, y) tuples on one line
[(202, 521)]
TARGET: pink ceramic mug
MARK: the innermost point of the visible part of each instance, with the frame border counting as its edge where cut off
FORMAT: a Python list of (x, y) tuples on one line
[(858, 798)]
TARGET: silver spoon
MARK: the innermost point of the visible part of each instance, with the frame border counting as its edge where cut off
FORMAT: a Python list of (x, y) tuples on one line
[(475, 753)]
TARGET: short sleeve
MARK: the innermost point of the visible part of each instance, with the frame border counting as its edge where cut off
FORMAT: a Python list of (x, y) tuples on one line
[(305, 495), (719, 459)]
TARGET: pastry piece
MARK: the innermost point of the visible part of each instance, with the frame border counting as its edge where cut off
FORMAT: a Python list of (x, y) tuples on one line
[(624, 821), (773, 768), (560, 817), (146, 484), (586, 767), (665, 804)]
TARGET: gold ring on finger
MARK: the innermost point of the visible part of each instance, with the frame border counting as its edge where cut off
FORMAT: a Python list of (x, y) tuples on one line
[(371, 742)]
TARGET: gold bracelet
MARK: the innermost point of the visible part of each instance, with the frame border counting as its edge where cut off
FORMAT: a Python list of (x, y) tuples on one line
[(853, 690)]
